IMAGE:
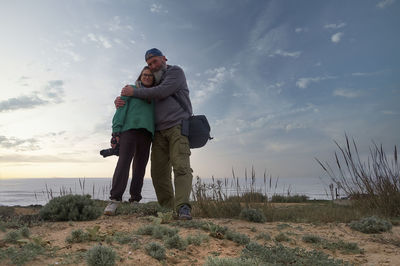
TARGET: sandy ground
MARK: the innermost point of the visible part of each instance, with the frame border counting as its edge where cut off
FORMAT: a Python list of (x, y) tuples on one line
[(381, 252)]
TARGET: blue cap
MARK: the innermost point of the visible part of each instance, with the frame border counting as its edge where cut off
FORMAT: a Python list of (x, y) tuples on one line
[(151, 53)]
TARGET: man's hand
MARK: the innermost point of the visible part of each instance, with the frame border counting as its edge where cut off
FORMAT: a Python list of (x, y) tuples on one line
[(119, 102), (127, 91)]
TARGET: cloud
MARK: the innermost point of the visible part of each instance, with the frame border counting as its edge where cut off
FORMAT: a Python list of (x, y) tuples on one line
[(100, 40), (385, 3), (19, 158), (154, 8), (366, 74), (347, 93), (53, 92), (337, 37), (305, 82), (285, 53), (335, 26), (389, 112), (19, 144), (300, 30), (214, 78)]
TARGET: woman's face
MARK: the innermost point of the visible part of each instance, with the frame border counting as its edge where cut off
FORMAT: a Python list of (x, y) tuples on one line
[(147, 78)]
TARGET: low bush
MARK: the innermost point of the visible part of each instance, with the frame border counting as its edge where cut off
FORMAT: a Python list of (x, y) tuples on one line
[(216, 261), (312, 239), (77, 236), (157, 231), (12, 236), (263, 236), (156, 250), (176, 241), (22, 254), (101, 256), (371, 225), (253, 215), (238, 238), (197, 239), (70, 208), (282, 237), (281, 255)]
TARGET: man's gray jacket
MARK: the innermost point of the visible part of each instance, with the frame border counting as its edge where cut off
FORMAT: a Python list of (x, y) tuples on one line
[(168, 112)]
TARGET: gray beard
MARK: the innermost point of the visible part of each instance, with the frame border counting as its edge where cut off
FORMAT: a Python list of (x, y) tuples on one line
[(158, 74)]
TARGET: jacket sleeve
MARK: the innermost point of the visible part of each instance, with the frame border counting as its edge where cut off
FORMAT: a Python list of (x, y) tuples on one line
[(119, 116), (174, 77)]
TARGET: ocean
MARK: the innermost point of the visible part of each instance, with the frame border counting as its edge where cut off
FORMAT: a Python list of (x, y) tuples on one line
[(38, 191)]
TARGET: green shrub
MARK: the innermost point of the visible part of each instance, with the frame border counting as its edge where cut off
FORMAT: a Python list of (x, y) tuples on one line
[(101, 256), (281, 255), (156, 250), (371, 225), (12, 236), (238, 238), (282, 237), (24, 231), (77, 236), (282, 226), (157, 231), (345, 247), (264, 236), (70, 207), (312, 239), (217, 231), (197, 239), (216, 261), (176, 241), (253, 215), (23, 254)]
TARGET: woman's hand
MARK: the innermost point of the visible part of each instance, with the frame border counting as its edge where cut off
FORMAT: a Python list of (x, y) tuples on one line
[(119, 102)]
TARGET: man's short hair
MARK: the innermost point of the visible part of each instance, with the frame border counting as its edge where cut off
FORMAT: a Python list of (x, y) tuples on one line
[(151, 53)]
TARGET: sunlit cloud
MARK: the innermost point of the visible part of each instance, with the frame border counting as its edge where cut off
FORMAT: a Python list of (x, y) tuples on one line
[(337, 37), (347, 93), (157, 8), (100, 40), (300, 30), (335, 26), (285, 53), (305, 82), (385, 3)]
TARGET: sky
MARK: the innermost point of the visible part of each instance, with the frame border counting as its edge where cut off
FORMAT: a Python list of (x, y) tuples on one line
[(279, 81)]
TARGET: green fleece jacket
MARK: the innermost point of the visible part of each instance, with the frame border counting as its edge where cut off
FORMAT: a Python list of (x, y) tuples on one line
[(135, 114)]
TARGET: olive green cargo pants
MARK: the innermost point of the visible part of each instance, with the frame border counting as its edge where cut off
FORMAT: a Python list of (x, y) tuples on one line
[(170, 150)]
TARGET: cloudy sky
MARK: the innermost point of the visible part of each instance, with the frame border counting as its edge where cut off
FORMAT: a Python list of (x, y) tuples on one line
[(278, 80)]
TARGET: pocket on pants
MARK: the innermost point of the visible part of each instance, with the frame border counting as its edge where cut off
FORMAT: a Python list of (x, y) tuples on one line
[(184, 147)]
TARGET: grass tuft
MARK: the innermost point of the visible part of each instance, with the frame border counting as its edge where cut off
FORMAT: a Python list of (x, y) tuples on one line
[(371, 225), (101, 256), (156, 251), (253, 215)]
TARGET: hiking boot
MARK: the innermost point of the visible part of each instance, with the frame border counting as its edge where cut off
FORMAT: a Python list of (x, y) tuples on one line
[(184, 213), (111, 207)]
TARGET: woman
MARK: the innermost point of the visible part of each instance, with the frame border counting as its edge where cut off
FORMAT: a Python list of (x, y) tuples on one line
[(133, 130)]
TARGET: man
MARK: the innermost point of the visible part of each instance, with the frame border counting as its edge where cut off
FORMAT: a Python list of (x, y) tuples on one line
[(170, 149)]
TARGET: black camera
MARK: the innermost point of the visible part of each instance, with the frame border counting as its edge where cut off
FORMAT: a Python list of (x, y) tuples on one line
[(108, 152)]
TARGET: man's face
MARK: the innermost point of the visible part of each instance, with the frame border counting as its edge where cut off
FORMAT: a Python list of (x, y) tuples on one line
[(156, 63)]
